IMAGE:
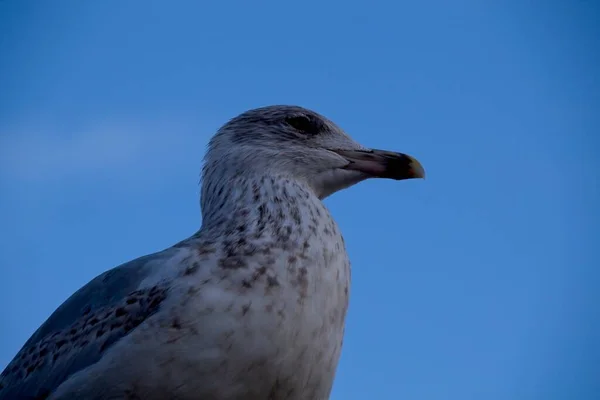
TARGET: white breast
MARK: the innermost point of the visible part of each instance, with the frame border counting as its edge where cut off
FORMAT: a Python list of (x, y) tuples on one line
[(260, 315)]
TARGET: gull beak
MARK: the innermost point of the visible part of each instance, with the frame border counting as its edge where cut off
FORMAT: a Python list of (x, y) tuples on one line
[(383, 164)]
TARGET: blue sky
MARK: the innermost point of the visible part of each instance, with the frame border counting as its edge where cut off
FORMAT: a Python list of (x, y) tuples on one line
[(480, 282)]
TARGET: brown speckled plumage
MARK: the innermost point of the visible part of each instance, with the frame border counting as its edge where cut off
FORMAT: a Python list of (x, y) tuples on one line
[(100, 327)]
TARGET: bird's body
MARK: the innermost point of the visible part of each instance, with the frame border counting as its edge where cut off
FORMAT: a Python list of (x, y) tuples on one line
[(250, 307)]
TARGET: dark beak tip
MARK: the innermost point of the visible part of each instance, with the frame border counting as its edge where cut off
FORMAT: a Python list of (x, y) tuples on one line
[(416, 169)]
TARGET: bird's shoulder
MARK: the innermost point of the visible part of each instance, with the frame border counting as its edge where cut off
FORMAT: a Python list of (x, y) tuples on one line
[(81, 329)]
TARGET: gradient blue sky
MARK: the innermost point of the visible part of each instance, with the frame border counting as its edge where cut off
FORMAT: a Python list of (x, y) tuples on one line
[(480, 282)]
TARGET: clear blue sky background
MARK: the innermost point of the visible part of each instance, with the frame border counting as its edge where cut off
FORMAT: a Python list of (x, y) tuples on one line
[(480, 282)]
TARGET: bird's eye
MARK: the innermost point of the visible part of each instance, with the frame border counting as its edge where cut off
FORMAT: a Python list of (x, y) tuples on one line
[(304, 124)]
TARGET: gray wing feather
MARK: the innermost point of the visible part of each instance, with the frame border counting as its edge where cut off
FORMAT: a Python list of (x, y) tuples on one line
[(77, 334)]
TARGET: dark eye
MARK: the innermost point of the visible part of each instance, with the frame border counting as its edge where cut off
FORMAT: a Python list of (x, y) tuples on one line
[(304, 124)]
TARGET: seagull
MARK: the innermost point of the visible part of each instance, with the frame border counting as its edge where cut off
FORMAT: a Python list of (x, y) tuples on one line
[(252, 306)]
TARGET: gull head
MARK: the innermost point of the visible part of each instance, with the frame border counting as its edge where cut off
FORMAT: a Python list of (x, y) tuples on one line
[(299, 144)]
